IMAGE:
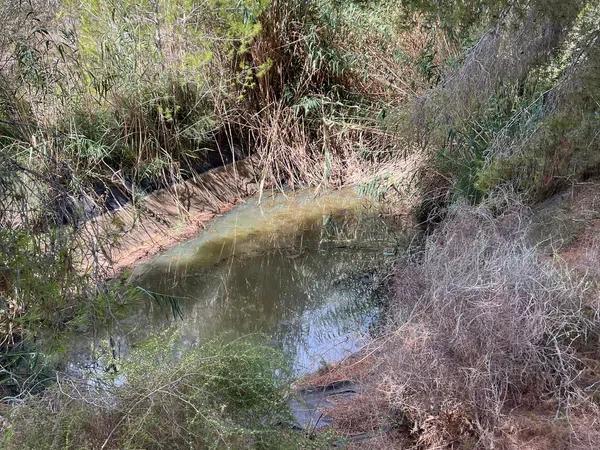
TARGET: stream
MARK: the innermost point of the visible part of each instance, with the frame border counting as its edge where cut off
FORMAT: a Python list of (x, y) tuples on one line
[(303, 270)]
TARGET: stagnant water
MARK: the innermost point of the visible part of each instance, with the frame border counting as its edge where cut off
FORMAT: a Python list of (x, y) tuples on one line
[(302, 269)]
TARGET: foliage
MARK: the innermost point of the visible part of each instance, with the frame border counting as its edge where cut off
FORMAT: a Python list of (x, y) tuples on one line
[(554, 139), (219, 395), (459, 18), (99, 101), (518, 112)]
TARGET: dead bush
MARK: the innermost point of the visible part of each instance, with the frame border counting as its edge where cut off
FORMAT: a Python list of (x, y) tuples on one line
[(486, 324)]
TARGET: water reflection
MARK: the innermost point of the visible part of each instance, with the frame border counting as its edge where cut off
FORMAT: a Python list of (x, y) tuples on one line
[(303, 271)]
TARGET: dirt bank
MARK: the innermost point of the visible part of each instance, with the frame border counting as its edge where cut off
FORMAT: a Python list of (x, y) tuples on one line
[(164, 218), (120, 239)]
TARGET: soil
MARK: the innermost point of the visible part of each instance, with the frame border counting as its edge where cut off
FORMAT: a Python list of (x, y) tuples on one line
[(135, 233)]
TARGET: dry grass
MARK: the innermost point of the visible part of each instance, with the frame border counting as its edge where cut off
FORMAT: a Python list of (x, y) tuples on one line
[(518, 42), (486, 325)]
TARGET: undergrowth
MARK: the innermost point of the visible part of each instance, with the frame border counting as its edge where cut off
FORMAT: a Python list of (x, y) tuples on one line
[(483, 324), (218, 395), (104, 101)]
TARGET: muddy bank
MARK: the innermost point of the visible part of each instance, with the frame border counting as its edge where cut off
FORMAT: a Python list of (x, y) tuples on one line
[(345, 398), (120, 239)]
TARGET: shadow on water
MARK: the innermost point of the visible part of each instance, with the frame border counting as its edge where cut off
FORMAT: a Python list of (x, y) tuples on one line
[(303, 271)]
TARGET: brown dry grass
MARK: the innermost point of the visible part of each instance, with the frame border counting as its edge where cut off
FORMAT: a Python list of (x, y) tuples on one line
[(540, 429), (488, 347), (487, 325)]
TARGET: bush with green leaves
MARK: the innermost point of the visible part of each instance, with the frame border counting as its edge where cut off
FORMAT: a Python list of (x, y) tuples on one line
[(554, 140), (520, 111), (218, 395)]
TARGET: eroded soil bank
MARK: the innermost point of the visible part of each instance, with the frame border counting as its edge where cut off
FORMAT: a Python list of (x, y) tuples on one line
[(135, 233), (123, 238)]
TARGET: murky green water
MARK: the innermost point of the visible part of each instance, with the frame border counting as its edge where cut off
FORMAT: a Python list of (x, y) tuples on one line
[(301, 269)]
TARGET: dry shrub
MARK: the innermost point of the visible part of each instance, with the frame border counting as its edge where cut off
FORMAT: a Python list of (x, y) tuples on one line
[(312, 106), (486, 324), (554, 140), (540, 430), (520, 41)]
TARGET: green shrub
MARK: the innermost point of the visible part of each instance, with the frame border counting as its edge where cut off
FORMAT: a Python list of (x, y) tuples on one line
[(554, 139), (530, 124), (219, 395)]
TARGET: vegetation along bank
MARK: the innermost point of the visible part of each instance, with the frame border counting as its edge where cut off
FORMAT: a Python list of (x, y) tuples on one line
[(129, 126)]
